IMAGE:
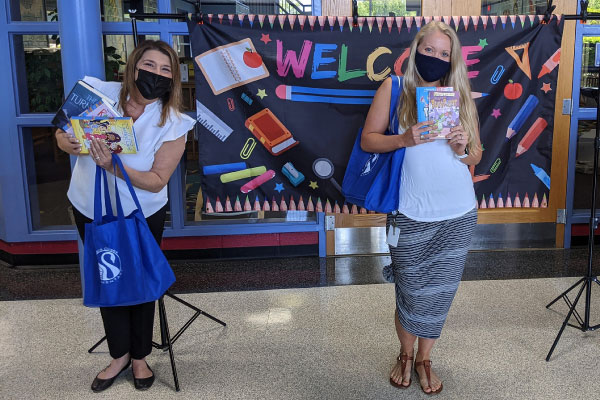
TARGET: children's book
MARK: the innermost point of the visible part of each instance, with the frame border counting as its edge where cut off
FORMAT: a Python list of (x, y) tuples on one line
[(117, 133), (81, 98), (440, 105)]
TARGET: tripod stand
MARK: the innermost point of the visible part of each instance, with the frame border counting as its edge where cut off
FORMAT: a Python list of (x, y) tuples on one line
[(166, 341), (587, 281)]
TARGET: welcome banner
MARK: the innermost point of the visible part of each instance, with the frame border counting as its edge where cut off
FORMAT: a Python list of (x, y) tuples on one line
[(280, 100)]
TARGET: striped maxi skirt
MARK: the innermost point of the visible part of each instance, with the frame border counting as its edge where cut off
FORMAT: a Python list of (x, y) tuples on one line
[(427, 266)]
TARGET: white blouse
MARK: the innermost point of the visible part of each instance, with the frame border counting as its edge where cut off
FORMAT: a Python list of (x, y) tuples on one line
[(150, 138), (435, 185)]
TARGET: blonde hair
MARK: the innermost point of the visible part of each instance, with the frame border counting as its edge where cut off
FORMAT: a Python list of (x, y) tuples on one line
[(171, 100), (457, 77)]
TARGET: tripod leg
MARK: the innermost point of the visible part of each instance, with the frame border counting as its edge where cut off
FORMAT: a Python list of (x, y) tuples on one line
[(562, 328), (97, 344), (162, 313), (563, 294), (185, 303)]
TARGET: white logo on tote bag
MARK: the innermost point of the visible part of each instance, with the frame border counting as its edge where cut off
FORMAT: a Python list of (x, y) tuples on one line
[(370, 164), (109, 265)]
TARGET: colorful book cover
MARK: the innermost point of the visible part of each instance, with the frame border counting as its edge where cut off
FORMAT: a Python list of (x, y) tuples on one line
[(424, 95), (444, 111), (97, 110), (117, 133), (81, 97)]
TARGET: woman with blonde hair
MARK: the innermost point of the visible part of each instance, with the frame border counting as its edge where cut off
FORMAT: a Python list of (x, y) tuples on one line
[(151, 95), (437, 211)]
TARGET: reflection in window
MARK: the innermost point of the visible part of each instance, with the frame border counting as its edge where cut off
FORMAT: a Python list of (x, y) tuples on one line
[(118, 10), (584, 165), (48, 173), (513, 7), (116, 50), (380, 8), (39, 72), (589, 73), (33, 10)]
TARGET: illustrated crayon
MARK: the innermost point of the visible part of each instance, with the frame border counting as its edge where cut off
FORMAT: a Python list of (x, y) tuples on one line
[(274, 206), (218, 206), (354, 209), (228, 207), (517, 201), (526, 203), (283, 204), (336, 208), (243, 174), (508, 201), (345, 209), (532, 134), (301, 204), (256, 204), (223, 168), (266, 206), (208, 207), (247, 205), (544, 203), (482, 204), (550, 63), (524, 113), (535, 203), (237, 206), (259, 180), (541, 175), (319, 207), (292, 204), (328, 208), (500, 202), (309, 205), (491, 202)]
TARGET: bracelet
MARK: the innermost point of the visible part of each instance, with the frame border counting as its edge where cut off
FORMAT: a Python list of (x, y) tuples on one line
[(462, 156)]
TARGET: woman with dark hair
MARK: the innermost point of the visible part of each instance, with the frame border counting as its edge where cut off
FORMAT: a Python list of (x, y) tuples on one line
[(151, 95), (437, 213)]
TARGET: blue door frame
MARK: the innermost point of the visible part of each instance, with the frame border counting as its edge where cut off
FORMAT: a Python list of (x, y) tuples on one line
[(579, 216), (15, 216)]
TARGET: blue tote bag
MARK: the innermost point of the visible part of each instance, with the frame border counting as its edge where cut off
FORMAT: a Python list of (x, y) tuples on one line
[(372, 180), (123, 264)]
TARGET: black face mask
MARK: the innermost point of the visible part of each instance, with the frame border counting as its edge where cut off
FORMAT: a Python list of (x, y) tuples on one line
[(431, 69), (152, 86)]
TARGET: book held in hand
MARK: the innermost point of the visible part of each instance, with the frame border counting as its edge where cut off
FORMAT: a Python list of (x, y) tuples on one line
[(117, 133), (83, 98), (440, 105)]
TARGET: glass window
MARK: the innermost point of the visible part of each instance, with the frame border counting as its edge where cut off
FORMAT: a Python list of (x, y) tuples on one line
[(33, 10), (116, 50), (118, 10), (39, 73), (513, 7), (386, 8), (584, 165), (48, 172), (589, 73), (182, 46)]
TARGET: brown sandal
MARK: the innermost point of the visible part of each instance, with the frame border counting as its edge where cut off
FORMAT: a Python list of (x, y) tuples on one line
[(427, 366), (402, 360)]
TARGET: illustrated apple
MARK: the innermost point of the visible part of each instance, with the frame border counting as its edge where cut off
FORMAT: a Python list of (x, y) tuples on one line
[(512, 90), (252, 59)]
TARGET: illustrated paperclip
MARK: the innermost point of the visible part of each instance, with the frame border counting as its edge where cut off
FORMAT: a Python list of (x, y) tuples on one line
[(497, 74), (230, 104), (248, 148)]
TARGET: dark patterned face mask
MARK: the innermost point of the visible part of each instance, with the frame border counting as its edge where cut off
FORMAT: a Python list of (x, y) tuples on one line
[(152, 86), (431, 69)]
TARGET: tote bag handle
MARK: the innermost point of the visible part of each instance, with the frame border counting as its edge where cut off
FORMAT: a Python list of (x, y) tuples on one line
[(116, 161), (101, 176)]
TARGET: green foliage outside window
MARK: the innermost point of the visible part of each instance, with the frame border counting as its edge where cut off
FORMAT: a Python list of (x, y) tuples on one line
[(383, 8)]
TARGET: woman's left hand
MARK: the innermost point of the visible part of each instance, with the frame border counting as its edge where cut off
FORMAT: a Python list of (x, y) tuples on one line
[(101, 154), (458, 139)]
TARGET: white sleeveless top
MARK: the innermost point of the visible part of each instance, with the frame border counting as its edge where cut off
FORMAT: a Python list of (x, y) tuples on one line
[(149, 137), (435, 185)]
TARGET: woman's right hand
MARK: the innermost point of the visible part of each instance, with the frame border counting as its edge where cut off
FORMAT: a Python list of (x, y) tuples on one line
[(68, 144), (415, 135)]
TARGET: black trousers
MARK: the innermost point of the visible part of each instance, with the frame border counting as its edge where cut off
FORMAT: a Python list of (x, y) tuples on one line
[(129, 328)]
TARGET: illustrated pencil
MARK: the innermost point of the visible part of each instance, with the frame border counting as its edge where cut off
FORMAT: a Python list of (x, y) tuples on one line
[(319, 207), (354, 209), (266, 206), (256, 204), (321, 95), (345, 209), (209, 207), (309, 205), (274, 206), (479, 178), (292, 204), (482, 204), (237, 206), (218, 206), (544, 203), (500, 202), (301, 205), (550, 63), (228, 207), (532, 134), (508, 201), (283, 205), (524, 112), (517, 201), (535, 203), (477, 95), (541, 175), (328, 208), (491, 203), (362, 210), (336, 208), (526, 203), (247, 205)]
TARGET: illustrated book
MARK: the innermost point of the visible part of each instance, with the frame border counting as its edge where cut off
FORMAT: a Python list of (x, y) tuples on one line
[(117, 133), (440, 105)]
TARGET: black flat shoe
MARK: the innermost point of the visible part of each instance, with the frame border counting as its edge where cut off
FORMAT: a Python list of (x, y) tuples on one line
[(102, 384), (143, 383)]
